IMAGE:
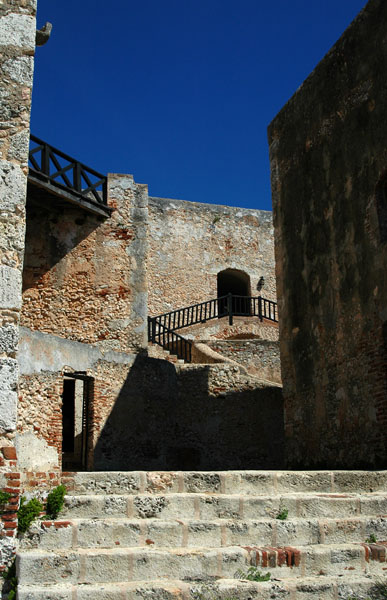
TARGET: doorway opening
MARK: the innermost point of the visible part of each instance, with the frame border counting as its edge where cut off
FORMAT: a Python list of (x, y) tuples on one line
[(237, 283), (77, 389)]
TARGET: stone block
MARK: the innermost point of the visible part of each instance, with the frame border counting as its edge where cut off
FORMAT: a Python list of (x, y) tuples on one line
[(18, 30), (8, 374), (13, 184), (10, 287), (8, 339), (8, 411), (20, 69), (19, 145)]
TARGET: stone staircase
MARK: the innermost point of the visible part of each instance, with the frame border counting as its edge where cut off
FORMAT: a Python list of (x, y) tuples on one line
[(186, 535)]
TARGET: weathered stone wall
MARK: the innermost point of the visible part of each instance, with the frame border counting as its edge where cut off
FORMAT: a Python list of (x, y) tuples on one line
[(259, 357), (328, 161), (242, 328), (84, 279), (17, 47), (192, 417), (84, 309), (44, 361), (190, 242)]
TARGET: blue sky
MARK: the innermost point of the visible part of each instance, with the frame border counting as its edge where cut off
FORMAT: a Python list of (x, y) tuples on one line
[(178, 93)]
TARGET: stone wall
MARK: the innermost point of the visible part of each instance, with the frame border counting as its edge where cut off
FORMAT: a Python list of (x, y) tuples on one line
[(84, 279), (17, 47), (84, 311), (190, 242), (329, 163), (259, 357), (242, 328), (45, 360), (199, 417)]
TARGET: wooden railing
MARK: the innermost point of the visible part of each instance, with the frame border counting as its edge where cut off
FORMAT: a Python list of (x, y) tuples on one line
[(161, 328), (50, 165)]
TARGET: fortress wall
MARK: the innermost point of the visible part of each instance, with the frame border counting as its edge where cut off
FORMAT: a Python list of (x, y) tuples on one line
[(84, 310), (84, 277), (190, 242), (260, 357), (329, 164), (17, 47)]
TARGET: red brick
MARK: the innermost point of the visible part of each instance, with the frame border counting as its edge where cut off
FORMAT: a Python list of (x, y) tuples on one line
[(9, 452), (10, 525)]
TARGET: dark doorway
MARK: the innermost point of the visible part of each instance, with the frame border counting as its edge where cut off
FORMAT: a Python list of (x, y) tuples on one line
[(75, 420), (237, 283)]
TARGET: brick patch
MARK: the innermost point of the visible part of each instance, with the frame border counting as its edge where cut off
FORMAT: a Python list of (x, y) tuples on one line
[(274, 557), (376, 551)]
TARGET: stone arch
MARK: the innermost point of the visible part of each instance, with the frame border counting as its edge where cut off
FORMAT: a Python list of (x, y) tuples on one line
[(233, 281)]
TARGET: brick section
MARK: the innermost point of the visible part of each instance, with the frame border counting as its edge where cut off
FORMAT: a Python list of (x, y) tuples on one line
[(11, 485), (376, 551), (274, 557)]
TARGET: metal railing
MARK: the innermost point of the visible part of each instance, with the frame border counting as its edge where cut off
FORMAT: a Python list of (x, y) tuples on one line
[(50, 165), (162, 327), (169, 340)]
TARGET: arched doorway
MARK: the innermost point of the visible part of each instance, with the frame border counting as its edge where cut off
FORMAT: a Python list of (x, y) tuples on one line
[(237, 283)]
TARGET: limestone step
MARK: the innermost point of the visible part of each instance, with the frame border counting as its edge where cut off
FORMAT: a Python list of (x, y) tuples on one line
[(218, 533), (226, 482), (93, 566), (308, 588), (215, 506)]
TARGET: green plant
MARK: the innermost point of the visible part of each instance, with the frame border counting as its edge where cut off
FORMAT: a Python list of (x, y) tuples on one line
[(4, 497), (55, 500), (253, 574), (283, 515), (371, 539), (215, 219), (27, 513), (10, 579)]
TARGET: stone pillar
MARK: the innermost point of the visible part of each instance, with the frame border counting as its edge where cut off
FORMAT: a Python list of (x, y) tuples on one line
[(17, 47)]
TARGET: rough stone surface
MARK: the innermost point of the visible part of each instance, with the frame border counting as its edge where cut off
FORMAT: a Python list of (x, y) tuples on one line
[(10, 286), (199, 536), (328, 162), (259, 357), (17, 45), (203, 408), (89, 268), (190, 242)]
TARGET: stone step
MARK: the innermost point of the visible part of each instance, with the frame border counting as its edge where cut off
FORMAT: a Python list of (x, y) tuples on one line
[(226, 482), (308, 588), (215, 506), (93, 566), (111, 533)]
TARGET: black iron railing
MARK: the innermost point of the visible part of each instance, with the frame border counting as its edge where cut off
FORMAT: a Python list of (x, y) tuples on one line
[(161, 328), (169, 340), (50, 165)]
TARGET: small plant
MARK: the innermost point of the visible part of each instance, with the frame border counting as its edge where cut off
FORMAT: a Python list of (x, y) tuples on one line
[(10, 579), (216, 219), (27, 513), (253, 574), (283, 515), (371, 539), (4, 497), (55, 500)]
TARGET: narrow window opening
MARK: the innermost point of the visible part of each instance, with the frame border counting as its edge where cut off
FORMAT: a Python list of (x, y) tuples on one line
[(75, 421)]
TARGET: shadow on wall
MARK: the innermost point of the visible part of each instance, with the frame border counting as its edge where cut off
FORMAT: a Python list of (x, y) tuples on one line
[(166, 420), (52, 232)]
